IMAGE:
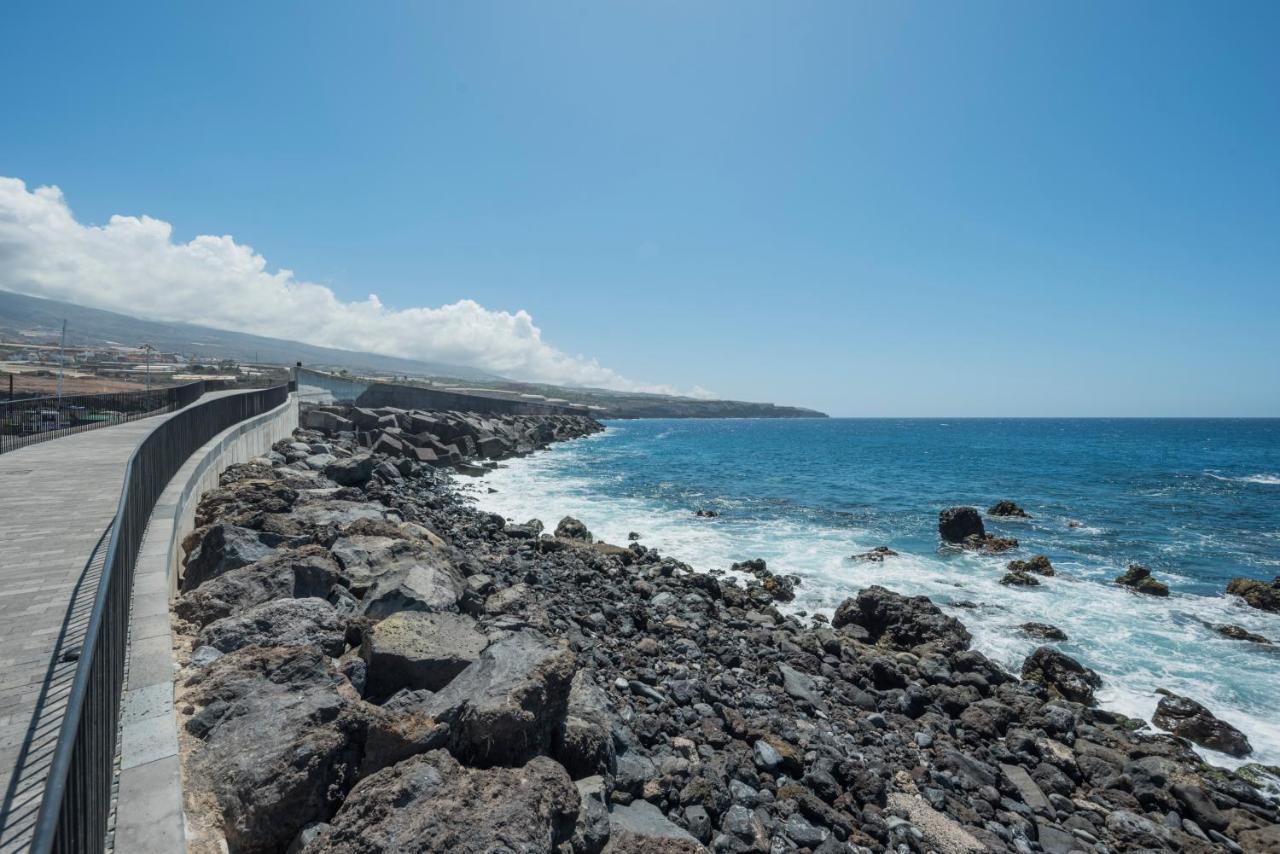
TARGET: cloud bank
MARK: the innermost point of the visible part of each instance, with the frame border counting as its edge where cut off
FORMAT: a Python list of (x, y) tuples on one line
[(133, 266)]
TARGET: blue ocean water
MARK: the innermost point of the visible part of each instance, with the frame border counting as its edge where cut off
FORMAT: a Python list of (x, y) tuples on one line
[(1196, 500)]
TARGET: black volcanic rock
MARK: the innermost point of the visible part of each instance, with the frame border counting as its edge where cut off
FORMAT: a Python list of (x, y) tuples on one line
[(1061, 675), (1258, 594), (1138, 579), (1185, 717), (1007, 508), (901, 622), (957, 523)]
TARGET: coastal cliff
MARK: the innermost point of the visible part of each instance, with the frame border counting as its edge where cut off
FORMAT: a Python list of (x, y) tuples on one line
[(372, 665)]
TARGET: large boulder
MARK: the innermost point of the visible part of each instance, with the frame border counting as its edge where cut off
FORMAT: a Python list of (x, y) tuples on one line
[(584, 744), (1138, 579), (222, 549), (1062, 675), (1039, 564), (276, 741), (957, 523), (571, 529), (424, 586), (1008, 509), (280, 622), (353, 471), (901, 622), (1258, 594), (416, 650), (641, 828), (430, 803), (508, 705), (1187, 719), (289, 573), (241, 502)]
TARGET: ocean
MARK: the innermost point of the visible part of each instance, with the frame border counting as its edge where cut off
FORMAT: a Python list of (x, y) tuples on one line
[(1196, 500)]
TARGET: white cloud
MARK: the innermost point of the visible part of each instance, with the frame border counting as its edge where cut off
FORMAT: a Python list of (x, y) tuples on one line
[(132, 265)]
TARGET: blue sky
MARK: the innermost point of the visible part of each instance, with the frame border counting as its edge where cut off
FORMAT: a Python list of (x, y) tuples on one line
[(873, 209)]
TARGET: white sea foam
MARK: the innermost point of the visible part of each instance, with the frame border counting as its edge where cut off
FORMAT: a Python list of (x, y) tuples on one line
[(1265, 478), (1137, 643)]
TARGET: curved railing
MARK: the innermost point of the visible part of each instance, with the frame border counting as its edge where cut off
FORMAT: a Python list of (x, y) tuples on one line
[(78, 793), (39, 419)]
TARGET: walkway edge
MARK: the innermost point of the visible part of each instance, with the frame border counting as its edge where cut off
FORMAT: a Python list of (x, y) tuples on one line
[(149, 815)]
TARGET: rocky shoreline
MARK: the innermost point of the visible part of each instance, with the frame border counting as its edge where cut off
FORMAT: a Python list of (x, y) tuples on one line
[(370, 664)]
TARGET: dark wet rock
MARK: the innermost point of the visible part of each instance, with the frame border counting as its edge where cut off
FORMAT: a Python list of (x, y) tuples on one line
[(1138, 579), (632, 536), (571, 529), (876, 555), (277, 743), (1188, 719), (707, 514), (281, 622), (1061, 675), (1043, 631), (288, 573), (957, 523), (222, 549), (430, 803), (901, 622), (1038, 565), (510, 703), (418, 650), (1258, 594), (1007, 508), (1019, 579), (641, 828), (353, 471), (1240, 633)]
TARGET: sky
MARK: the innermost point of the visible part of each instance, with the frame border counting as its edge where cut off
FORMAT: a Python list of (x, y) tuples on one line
[(874, 209)]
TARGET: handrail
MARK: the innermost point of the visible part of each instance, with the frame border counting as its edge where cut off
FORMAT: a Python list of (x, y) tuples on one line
[(78, 793), (26, 421)]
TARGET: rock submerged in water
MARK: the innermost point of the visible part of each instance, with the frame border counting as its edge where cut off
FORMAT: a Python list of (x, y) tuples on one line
[(1039, 564), (1258, 594), (1138, 579), (1187, 719), (955, 524), (1007, 509), (1240, 633), (962, 526), (876, 555), (1061, 675), (1043, 631), (1019, 579), (707, 514)]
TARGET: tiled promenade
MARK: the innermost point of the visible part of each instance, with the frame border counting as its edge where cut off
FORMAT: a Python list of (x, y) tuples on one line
[(57, 499)]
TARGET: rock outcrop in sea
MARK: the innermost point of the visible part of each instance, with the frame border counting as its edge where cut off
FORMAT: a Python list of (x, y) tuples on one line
[(370, 664)]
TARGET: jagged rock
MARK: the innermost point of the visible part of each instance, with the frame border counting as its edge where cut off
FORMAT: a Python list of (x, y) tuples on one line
[(957, 523), (1062, 675), (510, 703), (1188, 719), (591, 831), (353, 471), (1019, 579), (222, 549), (280, 622), (584, 744), (1240, 633), (1138, 579), (1258, 594), (277, 743), (707, 514), (641, 828), (901, 622), (1039, 564), (429, 583), (239, 502), (1043, 631), (571, 529), (1007, 508), (430, 803), (415, 650), (289, 573), (876, 555)]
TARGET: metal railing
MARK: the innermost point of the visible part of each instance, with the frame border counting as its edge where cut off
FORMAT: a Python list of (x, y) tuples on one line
[(78, 793), (39, 419)]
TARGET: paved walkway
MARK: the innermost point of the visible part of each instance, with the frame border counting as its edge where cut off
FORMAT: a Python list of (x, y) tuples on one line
[(57, 500)]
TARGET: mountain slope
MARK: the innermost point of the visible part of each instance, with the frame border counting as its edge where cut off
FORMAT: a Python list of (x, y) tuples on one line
[(95, 327)]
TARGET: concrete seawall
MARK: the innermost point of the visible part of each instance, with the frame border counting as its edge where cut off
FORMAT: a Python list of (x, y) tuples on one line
[(148, 812)]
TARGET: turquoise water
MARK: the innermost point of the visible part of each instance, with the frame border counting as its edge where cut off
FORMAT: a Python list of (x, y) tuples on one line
[(1196, 500)]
